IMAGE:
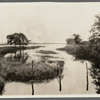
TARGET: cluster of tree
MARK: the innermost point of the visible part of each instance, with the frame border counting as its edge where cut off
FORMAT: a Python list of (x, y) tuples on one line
[(95, 30), (94, 39), (76, 39), (17, 39)]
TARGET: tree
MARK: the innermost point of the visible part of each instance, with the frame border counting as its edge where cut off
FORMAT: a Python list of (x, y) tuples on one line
[(17, 39), (23, 39), (77, 38), (95, 30), (9, 39), (70, 41), (13, 39)]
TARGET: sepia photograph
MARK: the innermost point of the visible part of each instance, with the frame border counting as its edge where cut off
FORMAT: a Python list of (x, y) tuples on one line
[(49, 49)]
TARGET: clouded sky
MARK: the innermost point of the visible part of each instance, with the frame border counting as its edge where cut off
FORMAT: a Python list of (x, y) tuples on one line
[(47, 22)]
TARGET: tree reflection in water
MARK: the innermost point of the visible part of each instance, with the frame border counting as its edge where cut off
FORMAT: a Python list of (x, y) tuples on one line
[(32, 89), (87, 78), (87, 86), (95, 73), (2, 84), (18, 56), (60, 77), (1, 90)]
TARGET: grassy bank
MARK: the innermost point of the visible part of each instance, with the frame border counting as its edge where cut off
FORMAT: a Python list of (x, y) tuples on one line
[(83, 52)]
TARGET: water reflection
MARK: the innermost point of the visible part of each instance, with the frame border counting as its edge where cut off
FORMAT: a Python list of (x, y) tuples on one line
[(60, 86), (32, 89), (60, 77), (87, 77), (2, 89), (2, 84), (19, 56), (35, 76), (95, 73)]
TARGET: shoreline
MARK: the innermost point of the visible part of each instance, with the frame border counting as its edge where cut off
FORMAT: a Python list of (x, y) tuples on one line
[(12, 49), (83, 52)]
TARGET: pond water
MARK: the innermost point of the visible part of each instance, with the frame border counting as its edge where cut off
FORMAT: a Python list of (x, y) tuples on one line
[(75, 79)]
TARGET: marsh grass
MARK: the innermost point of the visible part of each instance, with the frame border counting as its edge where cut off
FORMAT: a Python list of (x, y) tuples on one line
[(24, 73), (46, 52), (15, 71)]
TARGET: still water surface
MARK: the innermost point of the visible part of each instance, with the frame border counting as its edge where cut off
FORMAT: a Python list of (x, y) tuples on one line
[(74, 79)]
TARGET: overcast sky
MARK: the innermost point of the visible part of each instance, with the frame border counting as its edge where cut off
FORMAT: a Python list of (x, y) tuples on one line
[(47, 22)]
